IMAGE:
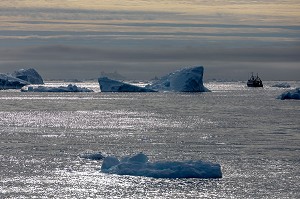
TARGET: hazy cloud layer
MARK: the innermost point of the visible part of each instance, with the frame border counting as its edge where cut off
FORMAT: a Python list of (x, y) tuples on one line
[(144, 38)]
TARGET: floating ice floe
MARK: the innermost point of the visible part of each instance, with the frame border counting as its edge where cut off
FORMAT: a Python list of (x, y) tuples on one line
[(184, 80), (109, 85), (30, 75), (69, 88), (291, 94), (9, 82), (92, 155), (139, 165), (282, 85)]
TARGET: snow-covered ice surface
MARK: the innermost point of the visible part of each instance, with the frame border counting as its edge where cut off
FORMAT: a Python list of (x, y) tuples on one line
[(139, 165), (251, 134)]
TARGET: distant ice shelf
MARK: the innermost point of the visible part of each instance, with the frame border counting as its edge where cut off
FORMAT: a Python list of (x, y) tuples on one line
[(139, 165)]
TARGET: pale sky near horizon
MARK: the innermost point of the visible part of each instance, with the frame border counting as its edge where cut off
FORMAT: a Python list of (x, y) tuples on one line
[(141, 39)]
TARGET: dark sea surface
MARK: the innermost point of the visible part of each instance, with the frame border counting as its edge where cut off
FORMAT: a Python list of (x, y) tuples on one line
[(254, 136)]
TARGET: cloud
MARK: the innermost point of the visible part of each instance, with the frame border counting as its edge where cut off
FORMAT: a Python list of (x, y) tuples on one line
[(79, 53)]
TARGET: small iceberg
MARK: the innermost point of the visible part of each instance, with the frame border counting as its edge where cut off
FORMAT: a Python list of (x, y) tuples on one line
[(291, 94), (109, 85), (69, 88), (139, 165), (92, 155), (282, 85)]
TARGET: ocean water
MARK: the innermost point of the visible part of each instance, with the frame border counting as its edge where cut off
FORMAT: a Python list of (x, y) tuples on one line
[(254, 136)]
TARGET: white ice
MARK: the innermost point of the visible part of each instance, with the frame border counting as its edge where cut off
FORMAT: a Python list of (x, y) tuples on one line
[(139, 165)]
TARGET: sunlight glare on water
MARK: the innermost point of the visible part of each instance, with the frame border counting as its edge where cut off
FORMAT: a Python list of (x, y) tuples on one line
[(254, 136)]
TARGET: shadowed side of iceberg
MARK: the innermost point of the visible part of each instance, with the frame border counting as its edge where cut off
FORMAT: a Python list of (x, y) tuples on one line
[(9, 82), (138, 165), (291, 94), (30, 75), (109, 85)]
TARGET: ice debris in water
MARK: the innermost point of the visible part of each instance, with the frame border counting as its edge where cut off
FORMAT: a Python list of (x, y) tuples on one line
[(139, 165), (69, 88), (282, 85), (291, 94), (92, 155), (109, 85)]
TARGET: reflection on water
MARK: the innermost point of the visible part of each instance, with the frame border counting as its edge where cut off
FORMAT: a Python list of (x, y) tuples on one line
[(254, 137)]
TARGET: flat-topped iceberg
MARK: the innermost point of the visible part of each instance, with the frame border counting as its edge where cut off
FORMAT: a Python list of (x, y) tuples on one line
[(30, 75), (183, 80), (291, 94), (9, 82), (109, 85), (139, 165), (69, 88)]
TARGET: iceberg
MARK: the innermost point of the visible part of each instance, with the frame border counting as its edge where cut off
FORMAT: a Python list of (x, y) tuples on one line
[(291, 94), (109, 85), (30, 75), (92, 155), (139, 165), (183, 80), (69, 88), (282, 85), (9, 82)]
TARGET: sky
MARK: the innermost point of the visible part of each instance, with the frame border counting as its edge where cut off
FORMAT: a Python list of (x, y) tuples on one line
[(141, 39)]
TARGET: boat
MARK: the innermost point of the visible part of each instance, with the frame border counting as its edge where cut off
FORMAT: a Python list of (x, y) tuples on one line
[(254, 81)]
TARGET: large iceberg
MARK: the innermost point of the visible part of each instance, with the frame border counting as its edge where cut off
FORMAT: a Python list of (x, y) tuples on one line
[(139, 165), (30, 75), (183, 80), (109, 85), (9, 82), (291, 94), (69, 88)]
